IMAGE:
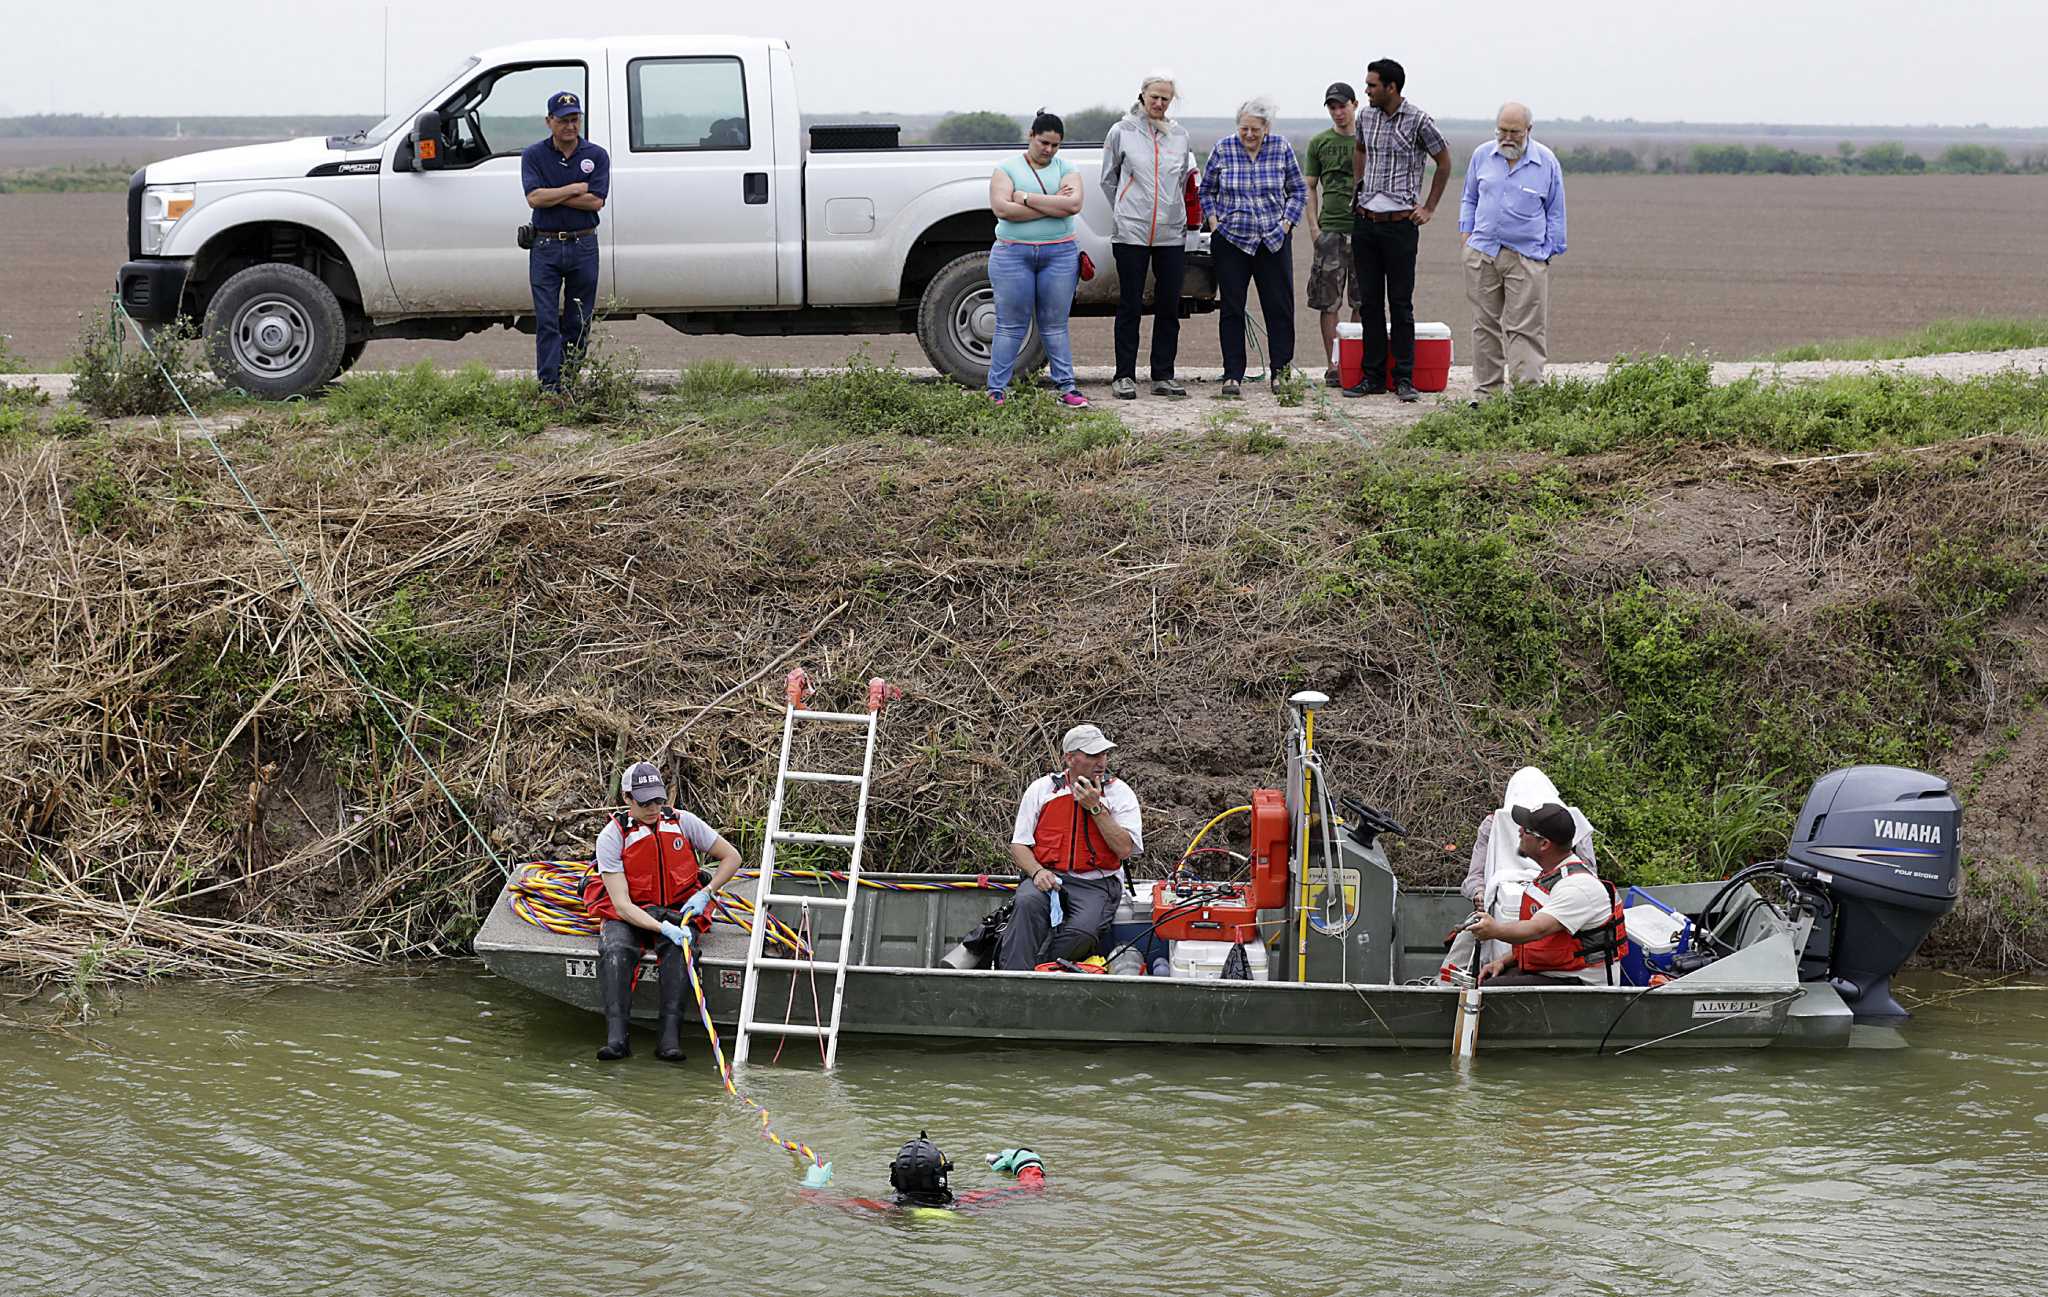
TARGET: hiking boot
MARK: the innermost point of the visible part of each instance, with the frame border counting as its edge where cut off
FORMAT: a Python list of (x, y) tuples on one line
[(1404, 391), (1169, 388), (1073, 400), (1330, 378), (1124, 389), (1232, 389)]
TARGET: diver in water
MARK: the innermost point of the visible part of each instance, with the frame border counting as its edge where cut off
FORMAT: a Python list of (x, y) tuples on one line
[(919, 1175)]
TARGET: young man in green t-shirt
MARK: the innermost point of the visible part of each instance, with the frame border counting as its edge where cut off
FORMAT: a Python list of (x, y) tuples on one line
[(1327, 166)]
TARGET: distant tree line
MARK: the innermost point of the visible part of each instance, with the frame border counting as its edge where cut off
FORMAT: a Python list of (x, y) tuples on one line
[(1887, 158), (82, 125)]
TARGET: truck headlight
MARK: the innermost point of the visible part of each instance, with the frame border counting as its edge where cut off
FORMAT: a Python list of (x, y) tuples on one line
[(163, 206)]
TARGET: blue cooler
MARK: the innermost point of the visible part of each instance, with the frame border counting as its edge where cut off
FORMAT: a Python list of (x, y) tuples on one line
[(1664, 932)]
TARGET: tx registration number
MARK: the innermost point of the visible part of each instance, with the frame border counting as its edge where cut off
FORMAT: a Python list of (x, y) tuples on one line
[(580, 967)]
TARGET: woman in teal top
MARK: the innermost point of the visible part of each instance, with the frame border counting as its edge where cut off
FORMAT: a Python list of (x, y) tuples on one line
[(1035, 262)]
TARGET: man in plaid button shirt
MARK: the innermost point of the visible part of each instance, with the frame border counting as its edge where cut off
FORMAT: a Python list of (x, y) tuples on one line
[(1393, 137)]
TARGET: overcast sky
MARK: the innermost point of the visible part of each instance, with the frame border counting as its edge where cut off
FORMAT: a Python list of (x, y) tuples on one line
[(1880, 62)]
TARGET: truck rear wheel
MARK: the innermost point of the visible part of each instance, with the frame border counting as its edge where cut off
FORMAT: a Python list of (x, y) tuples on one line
[(956, 323), (275, 331)]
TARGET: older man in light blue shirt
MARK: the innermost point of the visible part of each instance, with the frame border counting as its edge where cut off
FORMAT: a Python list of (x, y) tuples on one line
[(1513, 218)]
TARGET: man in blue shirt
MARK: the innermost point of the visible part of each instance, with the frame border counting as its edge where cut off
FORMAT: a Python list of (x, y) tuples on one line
[(566, 179), (1513, 218)]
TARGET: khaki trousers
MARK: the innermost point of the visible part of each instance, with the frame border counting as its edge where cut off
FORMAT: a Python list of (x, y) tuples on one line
[(1510, 296)]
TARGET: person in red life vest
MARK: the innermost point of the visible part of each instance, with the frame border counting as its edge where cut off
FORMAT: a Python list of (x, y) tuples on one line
[(1075, 829), (1571, 926), (646, 883), (919, 1175)]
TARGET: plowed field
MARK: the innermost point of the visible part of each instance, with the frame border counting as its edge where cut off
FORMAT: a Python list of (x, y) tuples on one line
[(1736, 266)]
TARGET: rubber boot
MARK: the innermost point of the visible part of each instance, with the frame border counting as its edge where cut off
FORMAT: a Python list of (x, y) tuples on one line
[(674, 983), (615, 982)]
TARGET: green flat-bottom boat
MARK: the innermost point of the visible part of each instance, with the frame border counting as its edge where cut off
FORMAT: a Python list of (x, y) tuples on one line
[(1873, 863), (896, 985)]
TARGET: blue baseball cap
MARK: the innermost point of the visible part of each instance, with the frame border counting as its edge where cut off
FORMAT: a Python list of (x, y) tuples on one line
[(564, 103)]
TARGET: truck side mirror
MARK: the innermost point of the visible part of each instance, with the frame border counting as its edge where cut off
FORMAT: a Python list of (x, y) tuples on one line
[(427, 140)]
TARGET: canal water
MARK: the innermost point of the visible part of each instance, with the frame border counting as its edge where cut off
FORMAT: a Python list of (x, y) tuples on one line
[(443, 1132)]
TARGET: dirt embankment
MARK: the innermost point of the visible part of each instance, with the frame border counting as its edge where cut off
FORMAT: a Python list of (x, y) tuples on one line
[(180, 730)]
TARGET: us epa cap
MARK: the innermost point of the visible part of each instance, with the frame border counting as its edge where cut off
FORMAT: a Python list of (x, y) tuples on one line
[(642, 782), (564, 103)]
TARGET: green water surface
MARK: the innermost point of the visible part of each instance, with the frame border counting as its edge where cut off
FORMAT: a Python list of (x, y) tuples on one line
[(441, 1131)]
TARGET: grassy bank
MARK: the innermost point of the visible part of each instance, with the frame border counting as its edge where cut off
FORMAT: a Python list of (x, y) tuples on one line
[(1683, 602), (1940, 337)]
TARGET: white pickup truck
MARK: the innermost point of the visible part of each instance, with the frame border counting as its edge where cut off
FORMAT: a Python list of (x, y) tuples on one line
[(296, 255)]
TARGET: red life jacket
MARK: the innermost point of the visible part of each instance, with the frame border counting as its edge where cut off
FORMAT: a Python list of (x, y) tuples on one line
[(1569, 952), (1066, 838), (661, 866)]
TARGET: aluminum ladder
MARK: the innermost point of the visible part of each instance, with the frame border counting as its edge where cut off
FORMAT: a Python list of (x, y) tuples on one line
[(797, 687)]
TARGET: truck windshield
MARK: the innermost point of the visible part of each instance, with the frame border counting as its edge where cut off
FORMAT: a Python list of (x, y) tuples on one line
[(401, 118)]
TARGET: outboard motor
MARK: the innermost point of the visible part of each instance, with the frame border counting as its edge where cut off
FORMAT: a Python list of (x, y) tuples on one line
[(1881, 842)]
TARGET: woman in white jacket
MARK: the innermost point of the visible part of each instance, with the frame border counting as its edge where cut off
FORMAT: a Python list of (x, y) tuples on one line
[(1145, 162)]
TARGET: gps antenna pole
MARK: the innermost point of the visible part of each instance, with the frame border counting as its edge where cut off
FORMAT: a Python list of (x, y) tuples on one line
[(1304, 704)]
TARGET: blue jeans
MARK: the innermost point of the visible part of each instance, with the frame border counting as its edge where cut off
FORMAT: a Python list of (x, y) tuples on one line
[(559, 271), (1033, 279)]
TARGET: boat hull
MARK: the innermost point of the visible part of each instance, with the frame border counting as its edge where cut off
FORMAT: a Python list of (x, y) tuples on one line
[(1750, 999)]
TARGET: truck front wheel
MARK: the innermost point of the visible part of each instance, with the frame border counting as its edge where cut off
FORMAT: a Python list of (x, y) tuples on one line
[(275, 331), (956, 323)]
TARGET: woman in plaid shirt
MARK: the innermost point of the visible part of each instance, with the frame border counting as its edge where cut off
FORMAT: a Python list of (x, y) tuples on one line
[(1254, 189)]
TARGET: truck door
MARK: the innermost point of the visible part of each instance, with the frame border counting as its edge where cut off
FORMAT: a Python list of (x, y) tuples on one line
[(693, 224), (449, 233)]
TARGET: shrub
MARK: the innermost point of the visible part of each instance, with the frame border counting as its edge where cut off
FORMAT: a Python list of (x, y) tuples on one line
[(1586, 159), (1973, 160), (1090, 125), (598, 385), (977, 128), (114, 377)]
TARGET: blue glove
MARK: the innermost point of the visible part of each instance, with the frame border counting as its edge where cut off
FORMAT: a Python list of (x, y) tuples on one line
[(817, 1177), (672, 932), (1013, 1160), (697, 904), (1058, 911)]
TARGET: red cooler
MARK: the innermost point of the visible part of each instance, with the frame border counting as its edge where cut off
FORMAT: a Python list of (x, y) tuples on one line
[(1349, 355), (1432, 357)]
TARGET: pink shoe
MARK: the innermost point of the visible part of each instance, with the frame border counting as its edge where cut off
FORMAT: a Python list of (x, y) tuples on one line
[(1073, 400), (995, 398)]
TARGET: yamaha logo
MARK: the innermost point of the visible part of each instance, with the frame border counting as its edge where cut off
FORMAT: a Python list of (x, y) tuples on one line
[(1910, 831)]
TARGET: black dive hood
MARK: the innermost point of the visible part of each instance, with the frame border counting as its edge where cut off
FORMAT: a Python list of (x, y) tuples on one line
[(918, 1175)]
